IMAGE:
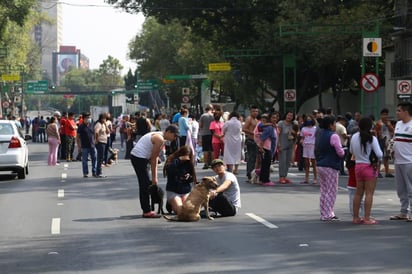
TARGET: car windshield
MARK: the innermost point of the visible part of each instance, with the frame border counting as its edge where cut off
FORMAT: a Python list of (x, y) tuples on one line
[(6, 129)]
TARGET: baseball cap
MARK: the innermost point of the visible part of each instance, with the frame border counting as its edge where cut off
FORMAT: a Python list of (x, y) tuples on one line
[(173, 129), (57, 113), (216, 162)]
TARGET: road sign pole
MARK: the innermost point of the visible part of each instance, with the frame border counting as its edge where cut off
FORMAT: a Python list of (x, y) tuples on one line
[(373, 34)]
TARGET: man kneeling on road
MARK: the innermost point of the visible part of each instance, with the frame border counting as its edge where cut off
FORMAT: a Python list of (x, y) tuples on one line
[(225, 200)]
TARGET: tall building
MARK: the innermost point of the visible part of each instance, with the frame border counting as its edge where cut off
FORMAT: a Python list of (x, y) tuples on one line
[(56, 58), (48, 35)]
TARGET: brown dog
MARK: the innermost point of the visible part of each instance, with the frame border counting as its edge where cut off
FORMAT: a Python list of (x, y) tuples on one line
[(198, 197)]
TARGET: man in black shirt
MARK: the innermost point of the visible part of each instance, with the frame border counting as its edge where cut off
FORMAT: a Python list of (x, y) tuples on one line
[(85, 140)]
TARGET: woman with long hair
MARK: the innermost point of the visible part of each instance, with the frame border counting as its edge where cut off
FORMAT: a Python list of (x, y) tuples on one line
[(179, 169), (362, 144)]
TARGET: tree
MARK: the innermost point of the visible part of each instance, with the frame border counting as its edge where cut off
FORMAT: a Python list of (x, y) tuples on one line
[(108, 74), (243, 24), (14, 12)]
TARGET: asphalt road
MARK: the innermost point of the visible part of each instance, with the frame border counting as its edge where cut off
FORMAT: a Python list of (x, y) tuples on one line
[(56, 221)]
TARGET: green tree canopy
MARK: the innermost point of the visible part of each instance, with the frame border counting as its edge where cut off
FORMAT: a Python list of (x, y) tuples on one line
[(326, 58)]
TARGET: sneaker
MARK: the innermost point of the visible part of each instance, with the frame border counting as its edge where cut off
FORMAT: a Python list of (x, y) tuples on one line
[(85, 176), (380, 175), (205, 167), (333, 219), (389, 175), (151, 214), (268, 184)]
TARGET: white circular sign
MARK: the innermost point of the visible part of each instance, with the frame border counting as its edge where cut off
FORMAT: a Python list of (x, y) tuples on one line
[(404, 87), (185, 99), (370, 82), (5, 104), (290, 95)]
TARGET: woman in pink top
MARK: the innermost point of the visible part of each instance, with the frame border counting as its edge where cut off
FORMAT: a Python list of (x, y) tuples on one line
[(217, 135)]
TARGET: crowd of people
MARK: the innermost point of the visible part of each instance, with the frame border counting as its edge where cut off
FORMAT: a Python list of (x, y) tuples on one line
[(72, 138), (329, 146)]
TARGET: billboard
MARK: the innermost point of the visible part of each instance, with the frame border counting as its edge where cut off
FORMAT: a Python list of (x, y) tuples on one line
[(62, 62)]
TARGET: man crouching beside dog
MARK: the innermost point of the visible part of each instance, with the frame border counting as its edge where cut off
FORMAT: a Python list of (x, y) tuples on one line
[(225, 199)]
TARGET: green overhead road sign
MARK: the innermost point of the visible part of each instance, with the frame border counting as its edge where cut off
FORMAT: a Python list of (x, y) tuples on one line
[(148, 85), (186, 77), (37, 87)]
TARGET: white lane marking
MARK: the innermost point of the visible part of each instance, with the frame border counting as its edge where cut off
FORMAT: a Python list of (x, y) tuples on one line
[(55, 226), (261, 220), (60, 193), (64, 175), (60, 204), (66, 166)]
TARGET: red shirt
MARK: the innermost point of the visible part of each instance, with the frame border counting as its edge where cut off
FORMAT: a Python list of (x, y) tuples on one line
[(63, 126), (70, 127)]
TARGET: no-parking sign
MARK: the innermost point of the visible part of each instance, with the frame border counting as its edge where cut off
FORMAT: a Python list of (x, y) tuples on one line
[(370, 82), (403, 87), (290, 95)]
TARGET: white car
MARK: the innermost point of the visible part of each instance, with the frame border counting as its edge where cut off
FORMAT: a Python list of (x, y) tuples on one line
[(13, 149)]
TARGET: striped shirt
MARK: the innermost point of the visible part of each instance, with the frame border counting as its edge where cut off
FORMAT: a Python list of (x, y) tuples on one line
[(403, 143)]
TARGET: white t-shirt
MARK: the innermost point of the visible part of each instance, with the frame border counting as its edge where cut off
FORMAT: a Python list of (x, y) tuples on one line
[(309, 135), (356, 149), (403, 143), (233, 191)]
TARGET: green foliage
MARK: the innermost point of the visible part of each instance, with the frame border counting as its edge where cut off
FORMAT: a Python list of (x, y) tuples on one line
[(14, 12), (326, 41)]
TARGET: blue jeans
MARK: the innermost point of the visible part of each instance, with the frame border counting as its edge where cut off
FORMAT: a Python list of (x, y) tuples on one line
[(85, 155), (100, 147)]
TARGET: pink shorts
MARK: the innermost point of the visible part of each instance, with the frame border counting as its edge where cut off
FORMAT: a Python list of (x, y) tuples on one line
[(365, 172)]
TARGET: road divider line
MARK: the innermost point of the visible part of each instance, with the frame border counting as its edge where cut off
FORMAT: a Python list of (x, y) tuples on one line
[(55, 226), (64, 175), (60, 193), (261, 220)]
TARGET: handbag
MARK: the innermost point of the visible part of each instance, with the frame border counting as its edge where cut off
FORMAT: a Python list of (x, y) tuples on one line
[(374, 160)]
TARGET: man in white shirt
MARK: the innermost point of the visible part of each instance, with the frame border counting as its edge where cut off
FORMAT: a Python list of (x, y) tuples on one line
[(403, 159)]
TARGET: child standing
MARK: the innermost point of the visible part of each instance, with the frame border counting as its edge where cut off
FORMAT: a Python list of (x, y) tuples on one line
[(307, 134)]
